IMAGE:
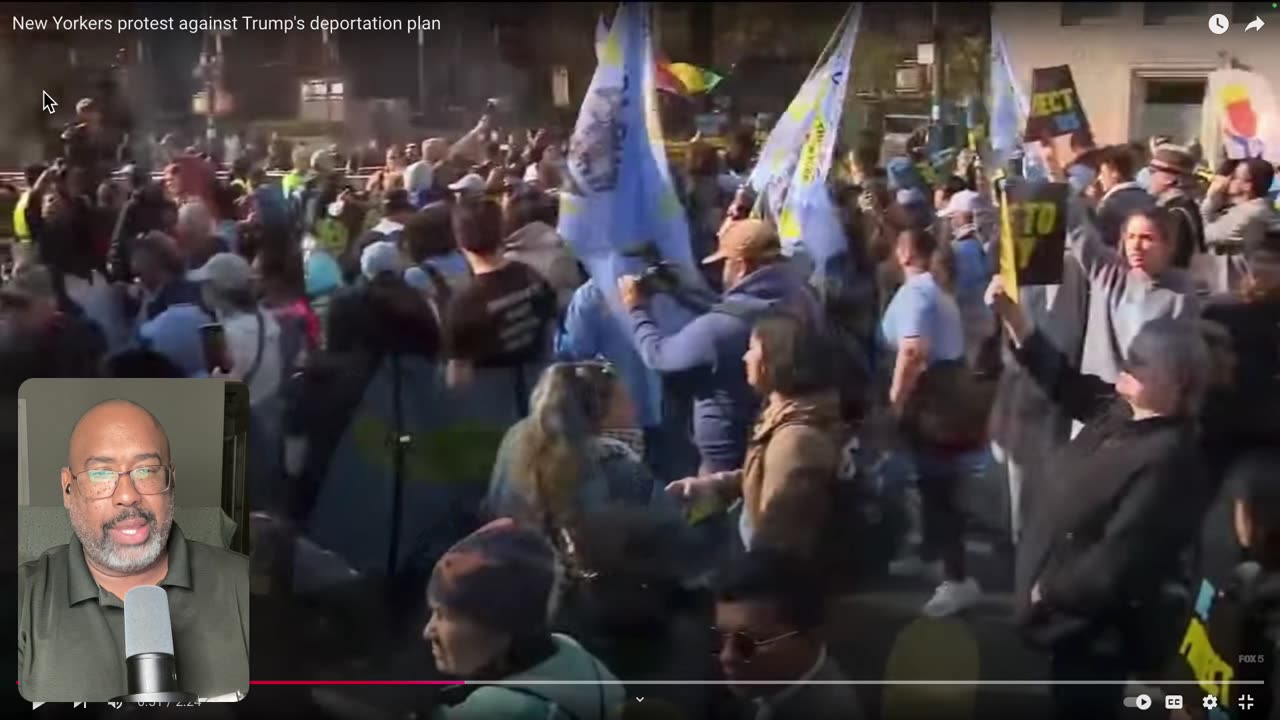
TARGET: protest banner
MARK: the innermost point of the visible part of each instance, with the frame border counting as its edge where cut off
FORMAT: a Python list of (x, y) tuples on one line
[(791, 174), (1210, 650), (1241, 111), (1056, 118), (1033, 218)]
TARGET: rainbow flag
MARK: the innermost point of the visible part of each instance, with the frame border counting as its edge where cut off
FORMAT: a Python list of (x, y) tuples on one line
[(683, 78), (692, 79), (674, 78)]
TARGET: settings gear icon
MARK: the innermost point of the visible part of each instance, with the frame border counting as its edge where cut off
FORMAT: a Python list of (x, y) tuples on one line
[(1210, 702)]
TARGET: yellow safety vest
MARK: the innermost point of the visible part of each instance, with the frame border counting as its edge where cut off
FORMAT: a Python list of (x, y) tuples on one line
[(927, 173), (20, 228), (331, 236), (292, 181)]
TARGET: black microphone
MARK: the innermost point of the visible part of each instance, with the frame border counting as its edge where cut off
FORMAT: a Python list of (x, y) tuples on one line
[(148, 648)]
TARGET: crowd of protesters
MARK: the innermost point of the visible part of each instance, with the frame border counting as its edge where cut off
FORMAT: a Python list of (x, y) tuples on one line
[(1134, 407)]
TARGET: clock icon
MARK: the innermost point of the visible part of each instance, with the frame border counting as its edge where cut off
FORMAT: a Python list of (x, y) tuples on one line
[(1219, 24)]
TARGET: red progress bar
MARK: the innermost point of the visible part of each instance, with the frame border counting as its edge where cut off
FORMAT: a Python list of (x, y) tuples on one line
[(356, 683), (349, 682)]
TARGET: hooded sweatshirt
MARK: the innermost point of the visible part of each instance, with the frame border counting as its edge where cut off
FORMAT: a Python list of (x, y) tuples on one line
[(539, 246), (525, 696), (712, 346)]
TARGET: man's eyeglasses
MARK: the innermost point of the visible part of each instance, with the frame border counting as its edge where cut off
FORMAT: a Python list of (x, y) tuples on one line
[(100, 484), (746, 646)]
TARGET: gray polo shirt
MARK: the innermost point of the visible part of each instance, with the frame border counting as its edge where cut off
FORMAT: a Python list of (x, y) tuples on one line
[(71, 631)]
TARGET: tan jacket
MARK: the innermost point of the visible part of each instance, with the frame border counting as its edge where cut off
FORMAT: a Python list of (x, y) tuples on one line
[(790, 469)]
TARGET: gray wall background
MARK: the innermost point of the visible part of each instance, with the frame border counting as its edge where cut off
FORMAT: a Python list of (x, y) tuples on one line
[(191, 411)]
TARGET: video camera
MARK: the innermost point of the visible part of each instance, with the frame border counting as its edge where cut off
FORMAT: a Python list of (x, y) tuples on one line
[(661, 276)]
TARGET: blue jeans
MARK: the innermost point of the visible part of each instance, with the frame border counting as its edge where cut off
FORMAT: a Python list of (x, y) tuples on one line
[(669, 455), (941, 478)]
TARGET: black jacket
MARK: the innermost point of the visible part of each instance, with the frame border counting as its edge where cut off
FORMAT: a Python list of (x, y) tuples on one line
[(148, 209), (1188, 226), (1122, 502), (382, 316), (1232, 634), (1261, 637), (66, 247), (1246, 415), (72, 346)]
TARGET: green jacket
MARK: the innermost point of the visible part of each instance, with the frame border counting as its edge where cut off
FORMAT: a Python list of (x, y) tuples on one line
[(525, 696)]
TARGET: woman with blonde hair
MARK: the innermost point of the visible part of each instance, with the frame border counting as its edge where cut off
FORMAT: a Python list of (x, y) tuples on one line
[(572, 470), (578, 450)]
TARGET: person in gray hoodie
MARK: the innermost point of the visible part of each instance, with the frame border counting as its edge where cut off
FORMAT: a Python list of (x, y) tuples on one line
[(532, 239)]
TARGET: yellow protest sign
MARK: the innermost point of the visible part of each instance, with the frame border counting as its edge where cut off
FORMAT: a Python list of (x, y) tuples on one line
[(1033, 233)]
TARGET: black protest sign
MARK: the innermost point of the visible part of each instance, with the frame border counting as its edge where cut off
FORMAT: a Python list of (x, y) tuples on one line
[(1211, 644), (1056, 117), (1035, 232)]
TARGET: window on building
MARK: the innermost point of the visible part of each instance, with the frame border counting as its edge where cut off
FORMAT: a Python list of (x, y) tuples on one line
[(1170, 106), (1245, 12), (1163, 13), (1089, 13), (322, 90)]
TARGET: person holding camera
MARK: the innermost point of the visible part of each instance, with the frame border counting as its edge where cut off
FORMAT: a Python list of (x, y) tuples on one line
[(756, 279)]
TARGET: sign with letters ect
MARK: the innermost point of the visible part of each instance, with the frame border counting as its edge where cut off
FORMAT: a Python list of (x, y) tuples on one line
[(1056, 119), (1034, 232)]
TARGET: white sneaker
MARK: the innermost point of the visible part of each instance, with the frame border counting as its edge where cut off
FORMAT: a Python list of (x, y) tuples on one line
[(952, 597), (912, 566)]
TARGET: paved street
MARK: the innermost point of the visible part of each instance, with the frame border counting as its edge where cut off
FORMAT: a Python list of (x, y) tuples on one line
[(880, 635)]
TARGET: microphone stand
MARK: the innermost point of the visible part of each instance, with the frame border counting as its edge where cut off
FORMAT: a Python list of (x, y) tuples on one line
[(150, 671)]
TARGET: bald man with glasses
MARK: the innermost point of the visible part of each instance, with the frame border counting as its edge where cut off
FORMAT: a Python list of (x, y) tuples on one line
[(118, 488)]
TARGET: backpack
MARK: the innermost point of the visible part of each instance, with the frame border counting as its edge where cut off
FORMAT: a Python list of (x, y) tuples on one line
[(949, 408), (867, 518), (441, 292)]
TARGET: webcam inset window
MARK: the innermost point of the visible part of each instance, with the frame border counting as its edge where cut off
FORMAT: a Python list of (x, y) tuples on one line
[(133, 578)]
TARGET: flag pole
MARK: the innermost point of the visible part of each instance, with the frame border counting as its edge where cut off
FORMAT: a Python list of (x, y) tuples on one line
[(757, 208)]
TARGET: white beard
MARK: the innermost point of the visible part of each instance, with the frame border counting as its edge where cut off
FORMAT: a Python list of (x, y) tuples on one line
[(124, 559)]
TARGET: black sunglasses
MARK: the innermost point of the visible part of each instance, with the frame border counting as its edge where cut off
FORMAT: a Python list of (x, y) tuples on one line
[(744, 645)]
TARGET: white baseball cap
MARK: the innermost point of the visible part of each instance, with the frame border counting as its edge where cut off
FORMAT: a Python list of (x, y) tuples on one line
[(378, 258), (470, 183), (224, 271), (964, 201)]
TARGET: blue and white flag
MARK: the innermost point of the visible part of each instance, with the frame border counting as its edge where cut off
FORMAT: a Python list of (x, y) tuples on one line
[(618, 196), (808, 217), (1009, 110), (790, 177), (602, 34)]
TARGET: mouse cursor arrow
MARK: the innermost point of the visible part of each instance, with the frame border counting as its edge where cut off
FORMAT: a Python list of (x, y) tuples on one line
[(1255, 25), (47, 102)]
